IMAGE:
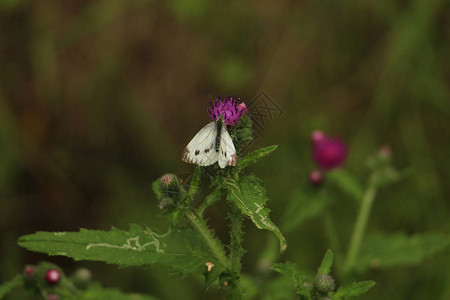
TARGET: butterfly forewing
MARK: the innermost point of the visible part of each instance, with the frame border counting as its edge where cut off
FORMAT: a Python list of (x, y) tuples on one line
[(200, 150)]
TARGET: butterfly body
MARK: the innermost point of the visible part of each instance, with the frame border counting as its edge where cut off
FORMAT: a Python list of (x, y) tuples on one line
[(211, 144)]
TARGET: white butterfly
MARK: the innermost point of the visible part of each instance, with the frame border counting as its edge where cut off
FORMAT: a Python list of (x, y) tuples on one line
[(212, 143)]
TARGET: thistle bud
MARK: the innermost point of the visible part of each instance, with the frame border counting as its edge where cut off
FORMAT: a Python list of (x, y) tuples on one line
[(324, 283), (170, 183), (52, 276), (316, 177), (52, 297)]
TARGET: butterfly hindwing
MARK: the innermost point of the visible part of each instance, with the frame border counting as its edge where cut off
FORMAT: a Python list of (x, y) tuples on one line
[(227, 152), (200, 150)]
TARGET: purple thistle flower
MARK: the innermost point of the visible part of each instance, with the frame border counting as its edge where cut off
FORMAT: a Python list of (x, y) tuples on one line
[(329, 153), (228, 108)]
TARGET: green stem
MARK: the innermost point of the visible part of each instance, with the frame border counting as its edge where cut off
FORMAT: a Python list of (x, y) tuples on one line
[(215, 245), (236, 250), (360, 227)]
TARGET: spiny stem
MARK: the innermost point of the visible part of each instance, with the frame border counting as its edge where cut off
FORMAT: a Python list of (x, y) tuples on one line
[(360, 227), (215, 245), (236, 250)]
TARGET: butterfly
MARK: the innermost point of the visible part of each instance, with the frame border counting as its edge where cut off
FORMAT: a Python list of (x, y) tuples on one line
[(211, 144)]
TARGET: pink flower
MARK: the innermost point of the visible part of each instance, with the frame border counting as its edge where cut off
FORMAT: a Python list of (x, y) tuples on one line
[(329, 153), (228, 108)]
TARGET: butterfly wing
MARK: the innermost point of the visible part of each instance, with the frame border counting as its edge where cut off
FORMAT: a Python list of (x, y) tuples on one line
[(227, 152), (200, 150)]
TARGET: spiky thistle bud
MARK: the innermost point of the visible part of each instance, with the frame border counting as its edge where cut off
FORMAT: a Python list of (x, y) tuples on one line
[(170, 184), (324, 283)]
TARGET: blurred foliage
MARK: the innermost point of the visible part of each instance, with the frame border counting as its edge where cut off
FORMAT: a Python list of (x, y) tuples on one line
[(98, 98)]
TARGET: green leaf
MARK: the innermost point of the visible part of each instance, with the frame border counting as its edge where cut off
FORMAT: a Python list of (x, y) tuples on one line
[(327, 261), (306, 203), (156, 186), (353, 289), (292, 271), (347, 183), (249, 195), (195, 182), (96, 292), (183, 251), (253, 157), (8, 286), (381, 250)]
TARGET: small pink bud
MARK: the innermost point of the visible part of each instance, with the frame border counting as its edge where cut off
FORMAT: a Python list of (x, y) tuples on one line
[(317, 136), (316, 177), (167, 179), (242, 108), (52, 276), (329, 153), (29, 270)]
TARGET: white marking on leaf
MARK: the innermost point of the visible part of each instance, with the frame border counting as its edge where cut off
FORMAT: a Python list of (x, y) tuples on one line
[(134, 244)]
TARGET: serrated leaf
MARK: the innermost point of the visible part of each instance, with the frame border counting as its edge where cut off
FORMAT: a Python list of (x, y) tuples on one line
[(249, 195), (353, 289), (96, 292), (292, 271), (8, 286), (306, 203), (347, 183), (212, 275), (326, 264), (254, 156), (381, 250), (195, 182), (183, 251)]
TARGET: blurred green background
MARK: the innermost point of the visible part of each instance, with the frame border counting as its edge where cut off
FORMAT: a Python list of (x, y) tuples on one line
[(98, 99)]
